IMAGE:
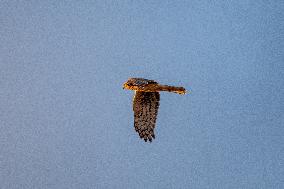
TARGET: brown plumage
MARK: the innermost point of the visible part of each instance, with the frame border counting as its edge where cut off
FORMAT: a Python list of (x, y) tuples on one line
[(146, 104)]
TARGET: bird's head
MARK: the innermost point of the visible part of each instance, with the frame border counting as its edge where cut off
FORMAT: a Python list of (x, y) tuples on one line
[(134, 83)]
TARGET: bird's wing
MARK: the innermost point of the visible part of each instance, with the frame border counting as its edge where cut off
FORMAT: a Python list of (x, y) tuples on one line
[(145, 107)]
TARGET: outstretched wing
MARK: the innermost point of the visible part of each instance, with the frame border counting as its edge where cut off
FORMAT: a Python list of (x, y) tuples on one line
[(145, 107)]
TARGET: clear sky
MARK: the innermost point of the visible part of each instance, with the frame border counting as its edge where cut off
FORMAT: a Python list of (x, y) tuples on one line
[(66, 122)]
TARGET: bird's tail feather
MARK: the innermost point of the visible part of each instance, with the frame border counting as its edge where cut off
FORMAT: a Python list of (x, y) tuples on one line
[(179, 90)]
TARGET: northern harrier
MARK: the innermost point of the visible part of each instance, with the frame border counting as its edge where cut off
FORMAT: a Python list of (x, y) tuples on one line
[(146, 104)]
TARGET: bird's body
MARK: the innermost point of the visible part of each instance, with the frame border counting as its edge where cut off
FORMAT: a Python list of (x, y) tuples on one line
[(146, 104)]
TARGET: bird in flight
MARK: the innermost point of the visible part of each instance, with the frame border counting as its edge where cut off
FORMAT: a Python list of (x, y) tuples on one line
[(146, 104)]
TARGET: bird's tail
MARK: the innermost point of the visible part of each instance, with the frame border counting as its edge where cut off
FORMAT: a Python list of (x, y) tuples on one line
[(179, 90)]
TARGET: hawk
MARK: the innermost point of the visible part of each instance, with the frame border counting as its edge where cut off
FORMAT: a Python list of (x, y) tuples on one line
[(146, 104)]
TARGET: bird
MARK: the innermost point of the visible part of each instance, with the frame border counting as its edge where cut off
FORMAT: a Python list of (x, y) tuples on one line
[(146, 103)]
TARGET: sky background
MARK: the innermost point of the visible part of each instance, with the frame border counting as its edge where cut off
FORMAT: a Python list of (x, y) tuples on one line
[(66, 122)]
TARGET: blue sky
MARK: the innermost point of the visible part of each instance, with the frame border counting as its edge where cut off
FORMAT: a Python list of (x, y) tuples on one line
[(65, 121)]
